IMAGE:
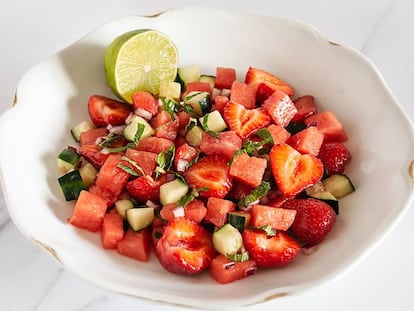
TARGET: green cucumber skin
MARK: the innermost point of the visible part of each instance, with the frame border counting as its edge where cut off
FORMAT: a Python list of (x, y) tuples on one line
[(71, 185)]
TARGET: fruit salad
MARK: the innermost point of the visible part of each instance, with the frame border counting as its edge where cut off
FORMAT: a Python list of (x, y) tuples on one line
[(210, 173)]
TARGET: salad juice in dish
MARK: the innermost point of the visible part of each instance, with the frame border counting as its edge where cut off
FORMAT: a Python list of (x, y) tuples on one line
[(210, 172)]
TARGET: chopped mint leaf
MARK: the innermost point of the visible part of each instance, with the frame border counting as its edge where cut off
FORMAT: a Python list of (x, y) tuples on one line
[(240, 257), (134, 164), (206, 128), (109, 140), (256, 194), (164, 161), (268, 230), (170, 106), (128, 169)]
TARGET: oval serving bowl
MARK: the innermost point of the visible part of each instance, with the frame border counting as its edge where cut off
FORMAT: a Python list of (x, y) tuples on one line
[(342, 80)]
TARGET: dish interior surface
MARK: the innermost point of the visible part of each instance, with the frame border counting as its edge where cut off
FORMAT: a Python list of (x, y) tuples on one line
[(52, 98)]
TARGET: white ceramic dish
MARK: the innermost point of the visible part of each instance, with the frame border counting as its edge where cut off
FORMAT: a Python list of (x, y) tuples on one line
[(52, 97)]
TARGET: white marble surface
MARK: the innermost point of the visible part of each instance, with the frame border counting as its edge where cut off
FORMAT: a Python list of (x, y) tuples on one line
[(381, 29)]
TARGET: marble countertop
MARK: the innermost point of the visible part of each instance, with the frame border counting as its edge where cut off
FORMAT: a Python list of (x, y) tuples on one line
[(30, 31)]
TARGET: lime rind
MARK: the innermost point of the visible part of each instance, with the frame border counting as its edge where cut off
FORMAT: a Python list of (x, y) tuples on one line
[(140, 60)]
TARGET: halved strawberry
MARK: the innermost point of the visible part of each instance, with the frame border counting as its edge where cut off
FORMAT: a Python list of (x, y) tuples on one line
[(270, 251), (266, 83), (244, 121), (314, 220), (184, 155), (211, 174), (185, 247), (293, 172), (145, 188), (335, 156), (104, 110), (306, 107)]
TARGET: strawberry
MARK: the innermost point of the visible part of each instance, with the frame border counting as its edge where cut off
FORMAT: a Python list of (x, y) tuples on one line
[(314, 220), (185, 247), (244, 121), (305, 106), (145, 188), (293, 172), (334, 156), (266, 83), (270, 251), (104, 110), (210, 173), (183, 157)]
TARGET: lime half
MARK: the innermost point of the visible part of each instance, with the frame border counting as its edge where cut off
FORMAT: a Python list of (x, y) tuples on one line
[(140, 60)]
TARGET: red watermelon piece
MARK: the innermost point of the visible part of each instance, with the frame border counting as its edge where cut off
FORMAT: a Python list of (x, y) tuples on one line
[(217, 210), (248, 170), (329, 125), (112, 230), (280, 107), (243, 94), (225, 77), (89, 211), (308, 141), (136, 245)]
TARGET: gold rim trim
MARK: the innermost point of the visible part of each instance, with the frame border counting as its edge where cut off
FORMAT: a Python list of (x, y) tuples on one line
[(275, 296), (49, 249), (14, 103), (334, 43), (411, 170), (155, 14)]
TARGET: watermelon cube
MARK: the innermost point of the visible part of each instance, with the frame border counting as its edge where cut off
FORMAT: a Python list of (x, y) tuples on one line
[(164, 126), (217, 210), (91, 136), (112, 230), (197, 86), (225, 77), (279, 134), (111, 177), (248, 169), (243, 94), (195, 211), (220, 102), (136, 245), (307, 141), (276, 217), (226, 144), (280, 107), (154, 144), (89, 212), (329, 125), (145, 104), (144, 159)]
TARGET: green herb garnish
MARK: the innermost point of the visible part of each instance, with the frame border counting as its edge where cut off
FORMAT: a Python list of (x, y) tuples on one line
[(240, 257), (256, 194), (164, 161)]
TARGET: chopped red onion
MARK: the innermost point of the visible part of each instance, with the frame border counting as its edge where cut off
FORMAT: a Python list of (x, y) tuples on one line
[(117, 129), (98, 140), (215, 92), (170, 177), (178, 212), (245, 208), (250, 271), (229, 265), (182, 165), (128, 119), (309, 251), (143, 113), (225, 92), (149, 203), (264, 200)]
